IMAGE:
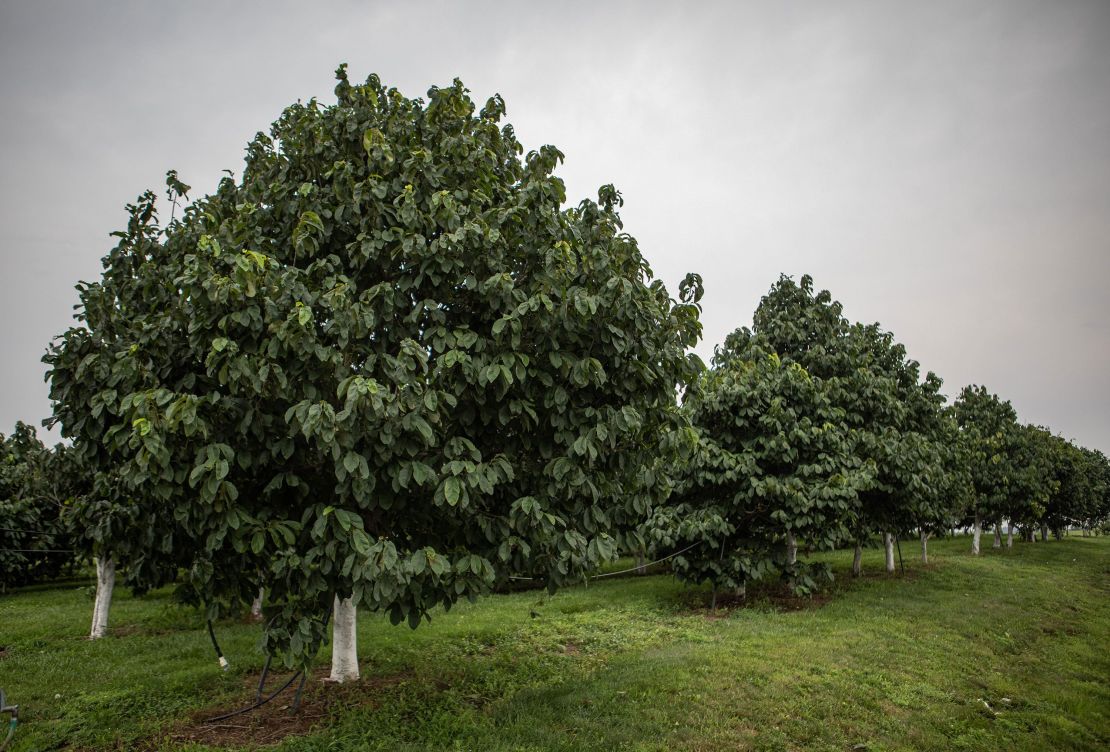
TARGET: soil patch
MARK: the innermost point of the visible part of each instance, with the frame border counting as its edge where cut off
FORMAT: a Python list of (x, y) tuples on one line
[(773, 598), (276, 720)]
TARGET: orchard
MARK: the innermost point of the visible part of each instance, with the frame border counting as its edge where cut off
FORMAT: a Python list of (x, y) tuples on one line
[(389, 370)]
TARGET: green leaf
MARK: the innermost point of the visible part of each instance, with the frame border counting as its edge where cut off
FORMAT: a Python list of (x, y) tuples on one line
[(452, 490)]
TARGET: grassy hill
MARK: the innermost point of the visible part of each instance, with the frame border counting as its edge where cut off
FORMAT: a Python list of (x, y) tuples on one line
[(1007, 651)]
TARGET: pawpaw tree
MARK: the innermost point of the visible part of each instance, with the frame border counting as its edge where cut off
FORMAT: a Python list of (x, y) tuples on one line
[(989, 424), (774, 465), (388, 367), (128, 325), (37, 487), (893, 414)]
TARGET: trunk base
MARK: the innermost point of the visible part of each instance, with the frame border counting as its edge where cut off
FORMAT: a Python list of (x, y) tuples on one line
[(344, 644)]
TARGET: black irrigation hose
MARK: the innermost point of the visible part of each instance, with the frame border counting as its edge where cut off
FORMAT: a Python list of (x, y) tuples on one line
[(257, 704), (898, 542), (37, 550), (624, 571), (219, 653), (262, 679), (300, 691)]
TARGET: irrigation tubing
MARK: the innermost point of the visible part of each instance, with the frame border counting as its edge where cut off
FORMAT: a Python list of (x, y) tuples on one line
[(37, 550), (259, 700), (219, 653), (625, 571), (262, 678), (258, 703)]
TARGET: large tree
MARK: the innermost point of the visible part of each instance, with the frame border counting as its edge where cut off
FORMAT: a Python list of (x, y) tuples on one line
[(893, 413), (903, 429), (1030, 456), (988, 425), (129, 324), (774, 465), (400, 370)]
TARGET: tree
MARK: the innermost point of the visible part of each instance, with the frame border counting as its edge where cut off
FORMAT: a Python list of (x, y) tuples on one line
[(903, 430), (1076, 489), (894, 416), (399, 370), (1096, 511), (36, 485), (989, 424), (773, 466), (1031, 483), (128, 324)]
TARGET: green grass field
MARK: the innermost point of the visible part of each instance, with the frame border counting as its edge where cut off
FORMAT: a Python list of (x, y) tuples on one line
[(1007, 651)]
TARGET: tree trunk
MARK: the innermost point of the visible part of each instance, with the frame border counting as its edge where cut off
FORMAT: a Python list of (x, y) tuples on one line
[(888, 544), (791, 548), (1010, 535), (924, 547), (640, 563), (1044, 532), (256, 606), (741, 591), (344, 642), (997, 535), (105, 583), (857, 561), (1029, 537), (975, 533)]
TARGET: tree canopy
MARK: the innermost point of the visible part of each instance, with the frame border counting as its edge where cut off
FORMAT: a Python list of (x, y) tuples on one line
[(387, 364)]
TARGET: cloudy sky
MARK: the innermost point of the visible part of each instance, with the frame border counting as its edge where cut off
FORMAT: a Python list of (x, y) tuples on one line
[(941, 167)]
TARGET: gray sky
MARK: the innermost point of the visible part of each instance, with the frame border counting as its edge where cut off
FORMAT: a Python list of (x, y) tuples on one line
[(941, 167)]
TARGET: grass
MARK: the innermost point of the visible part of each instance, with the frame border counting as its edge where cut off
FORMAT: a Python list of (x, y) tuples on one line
[(1005, 651)]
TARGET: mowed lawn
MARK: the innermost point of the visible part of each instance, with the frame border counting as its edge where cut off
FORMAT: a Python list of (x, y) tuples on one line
[(1008, 651)]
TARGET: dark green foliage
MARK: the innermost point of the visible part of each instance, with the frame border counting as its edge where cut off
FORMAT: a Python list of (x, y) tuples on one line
[(1015, 470), (774, 465), (36, 493), (387, 364), (902, 427), (1029, 462), (1077, 487), (988, 423)]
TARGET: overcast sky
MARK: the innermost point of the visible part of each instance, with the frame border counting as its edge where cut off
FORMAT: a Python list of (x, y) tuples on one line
[(942, 167)]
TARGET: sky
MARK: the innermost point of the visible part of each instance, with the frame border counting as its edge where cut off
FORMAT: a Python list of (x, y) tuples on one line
[(942, 168)]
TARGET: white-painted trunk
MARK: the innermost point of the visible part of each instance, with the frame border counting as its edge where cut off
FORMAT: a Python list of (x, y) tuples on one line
[(344, 642), (741, 591), (997, 535), (256, 606), (1044, 533), (640, 563), (1010, 535), (924, 547), (105, 583), (888, 544), (976, 531), (857, 561), (791, 548)]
